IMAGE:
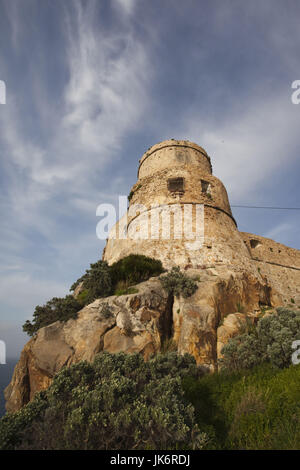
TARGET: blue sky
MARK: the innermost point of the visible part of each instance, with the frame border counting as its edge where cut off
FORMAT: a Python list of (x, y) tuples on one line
[(92, 84)]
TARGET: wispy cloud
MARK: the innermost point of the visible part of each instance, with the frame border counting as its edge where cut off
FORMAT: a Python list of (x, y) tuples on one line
[(104, 99), (126, 5), (89, 83), (53, 185), (248, 146), (107, 91)]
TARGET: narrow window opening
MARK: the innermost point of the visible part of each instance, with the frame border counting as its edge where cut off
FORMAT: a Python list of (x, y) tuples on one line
[(205, 186), (254, 243), (176, 186)]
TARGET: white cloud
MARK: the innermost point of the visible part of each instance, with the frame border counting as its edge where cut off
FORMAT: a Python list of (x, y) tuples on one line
[(104, 99), (106, 94), (248, 146), (127, 5)]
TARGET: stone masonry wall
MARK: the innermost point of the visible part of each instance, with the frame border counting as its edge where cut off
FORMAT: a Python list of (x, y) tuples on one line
[(173, 152)]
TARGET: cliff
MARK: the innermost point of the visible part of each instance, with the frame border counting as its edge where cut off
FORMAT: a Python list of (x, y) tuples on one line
[(241, 275), (145, 322)]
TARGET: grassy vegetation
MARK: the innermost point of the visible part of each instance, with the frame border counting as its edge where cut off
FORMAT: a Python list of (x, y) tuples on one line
[(250, 409)]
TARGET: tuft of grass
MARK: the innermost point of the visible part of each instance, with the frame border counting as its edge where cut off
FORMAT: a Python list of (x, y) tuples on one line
[(251, 409), (123, 288)]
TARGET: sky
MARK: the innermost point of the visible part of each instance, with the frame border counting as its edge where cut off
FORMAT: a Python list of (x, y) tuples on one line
[(91, 84)]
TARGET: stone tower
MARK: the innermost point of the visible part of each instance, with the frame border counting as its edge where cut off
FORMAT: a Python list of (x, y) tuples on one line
[(175, 183), (239, 276)]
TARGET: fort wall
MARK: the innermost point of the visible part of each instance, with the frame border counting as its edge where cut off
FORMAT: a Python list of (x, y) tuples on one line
[(175, 177), (279, 263)]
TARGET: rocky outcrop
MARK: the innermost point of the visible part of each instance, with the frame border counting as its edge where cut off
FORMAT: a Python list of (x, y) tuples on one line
[(240, 273), (143, 322)]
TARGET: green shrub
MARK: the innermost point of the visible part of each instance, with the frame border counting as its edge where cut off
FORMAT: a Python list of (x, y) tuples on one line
[(117, 402), (130, 196), (134, 269), (270, 342), (61, 309), (177, 283), (100, 280), (83, 297), (97, 281)]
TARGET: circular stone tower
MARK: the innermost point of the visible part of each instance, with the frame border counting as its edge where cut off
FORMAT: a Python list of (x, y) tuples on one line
[(178, 212)]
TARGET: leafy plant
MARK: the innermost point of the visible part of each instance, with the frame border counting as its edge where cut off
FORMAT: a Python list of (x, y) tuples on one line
[(61, 309), (134, 269), (96, 281), (83, 297), (130, 195), (271, 341), (100, 280), (177, 283), (117, 402)]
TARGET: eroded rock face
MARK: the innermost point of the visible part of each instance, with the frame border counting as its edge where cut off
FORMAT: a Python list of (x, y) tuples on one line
[(142, 323), (128, 323)]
